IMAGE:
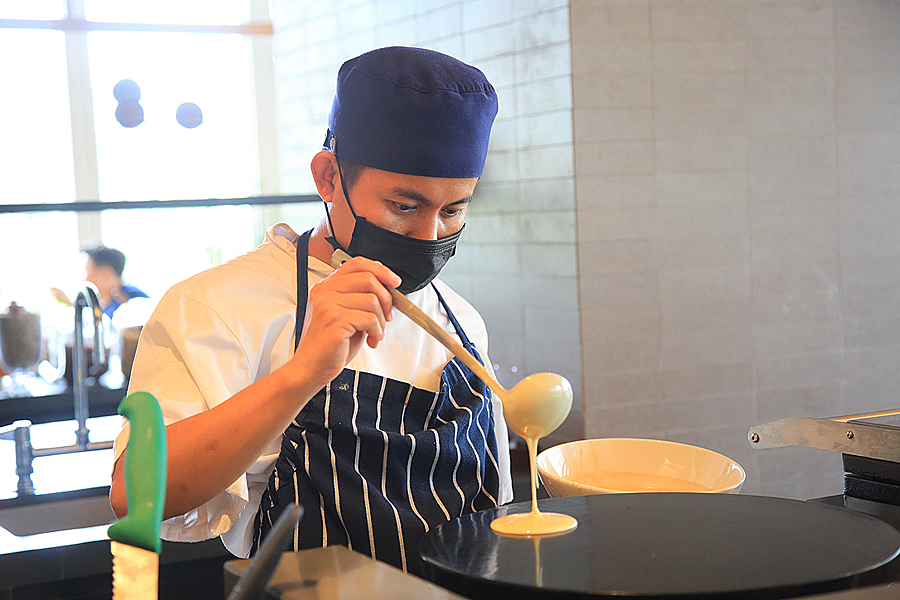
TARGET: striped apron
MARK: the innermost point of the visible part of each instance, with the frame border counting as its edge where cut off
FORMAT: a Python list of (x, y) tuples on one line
[(376, 462)]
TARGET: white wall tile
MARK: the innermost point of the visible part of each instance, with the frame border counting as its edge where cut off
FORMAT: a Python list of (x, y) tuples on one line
[(549, 194), (708, 380), (612, 57), (617, 257), (478, 14), (796, 246), (629, 387), (868, 118), (690, 252), (707, 347), (614, 158), (546, 96), (696, 56), (614, 124), (677, 221), (802, 338), (558, 260), (545, 129), (791, 87), (702, 154), (719, 283), (780, 373), (482, 44), (620, 191), (868, 163), (868, 86), (705, 121), (712, 21), (702, 315), (443, 22), (543, 29), (614, 90), (708, 414), (605, 356), (592, 20), (867, 20), (701, 89), (791, 55), (799, 120), (789, 20), (795, 214), (640, 420), (867, 54), (543, 62), (604, 224), (701, 188), (546, 162)]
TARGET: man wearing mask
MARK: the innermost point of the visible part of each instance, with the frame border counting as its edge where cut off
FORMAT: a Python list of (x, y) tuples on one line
[(281, 381)]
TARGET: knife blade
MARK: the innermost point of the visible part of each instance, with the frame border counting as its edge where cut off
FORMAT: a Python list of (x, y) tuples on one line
[(135, 538)]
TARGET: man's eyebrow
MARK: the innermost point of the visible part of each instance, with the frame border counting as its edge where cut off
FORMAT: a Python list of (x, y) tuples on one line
[(412, 194)]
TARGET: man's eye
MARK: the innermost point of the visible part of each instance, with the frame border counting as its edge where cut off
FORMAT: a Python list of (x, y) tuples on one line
[(404, 207), (452, 212)]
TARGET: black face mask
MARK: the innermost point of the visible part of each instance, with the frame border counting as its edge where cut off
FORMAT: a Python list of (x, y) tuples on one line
[(416, 261)]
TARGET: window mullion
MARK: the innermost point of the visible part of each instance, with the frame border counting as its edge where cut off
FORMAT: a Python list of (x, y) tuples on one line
[(263, 61), (84, 138)]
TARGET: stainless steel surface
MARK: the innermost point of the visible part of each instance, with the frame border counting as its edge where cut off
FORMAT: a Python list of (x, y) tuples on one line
[(835, 435), (336, 572)]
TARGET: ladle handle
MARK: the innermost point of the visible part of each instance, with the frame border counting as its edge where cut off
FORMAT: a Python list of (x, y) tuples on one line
[(404, 305)]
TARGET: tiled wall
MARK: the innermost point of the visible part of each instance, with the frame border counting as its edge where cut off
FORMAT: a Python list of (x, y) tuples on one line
[(516, 261), (738, 179), (719, 246)]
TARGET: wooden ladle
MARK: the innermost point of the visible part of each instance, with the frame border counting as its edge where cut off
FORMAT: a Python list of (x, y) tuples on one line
[(534, 407)]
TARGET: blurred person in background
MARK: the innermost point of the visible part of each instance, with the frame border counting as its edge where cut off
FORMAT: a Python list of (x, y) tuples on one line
[(104, 268)]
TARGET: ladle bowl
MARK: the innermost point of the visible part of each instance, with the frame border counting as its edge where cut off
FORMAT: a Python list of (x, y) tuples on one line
[(537, 405)]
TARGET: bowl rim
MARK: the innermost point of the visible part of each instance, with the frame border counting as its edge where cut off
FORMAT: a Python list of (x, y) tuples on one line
[(583, 486)]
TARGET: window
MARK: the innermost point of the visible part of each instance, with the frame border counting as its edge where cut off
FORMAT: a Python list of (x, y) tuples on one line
[(63, 142)]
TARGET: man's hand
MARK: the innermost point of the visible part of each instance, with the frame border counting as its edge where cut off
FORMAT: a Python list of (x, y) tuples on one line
[(347, 308)]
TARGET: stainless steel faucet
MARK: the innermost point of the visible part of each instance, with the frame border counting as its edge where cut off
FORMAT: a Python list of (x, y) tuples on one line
[(86, 298)]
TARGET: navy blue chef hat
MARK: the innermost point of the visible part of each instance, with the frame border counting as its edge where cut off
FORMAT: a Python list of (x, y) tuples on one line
[(412, 111)]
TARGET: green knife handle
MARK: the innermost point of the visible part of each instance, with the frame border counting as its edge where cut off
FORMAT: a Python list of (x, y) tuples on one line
[(145, 474)]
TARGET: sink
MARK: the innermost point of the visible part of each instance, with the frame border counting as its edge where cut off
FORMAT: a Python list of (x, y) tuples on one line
[(45, 513), (71, 490)]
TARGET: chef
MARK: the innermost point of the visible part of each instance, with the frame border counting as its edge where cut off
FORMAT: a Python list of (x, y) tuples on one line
[(282, 381)]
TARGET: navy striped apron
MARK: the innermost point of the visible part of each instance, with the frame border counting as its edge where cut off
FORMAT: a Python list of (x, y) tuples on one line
[(376, 462)]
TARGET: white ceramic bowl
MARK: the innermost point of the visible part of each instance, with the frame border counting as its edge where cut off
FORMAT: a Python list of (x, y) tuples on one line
[(620, 465)]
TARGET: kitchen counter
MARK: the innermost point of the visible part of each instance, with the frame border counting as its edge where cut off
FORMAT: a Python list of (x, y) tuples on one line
[(60, 406), (78, 564)]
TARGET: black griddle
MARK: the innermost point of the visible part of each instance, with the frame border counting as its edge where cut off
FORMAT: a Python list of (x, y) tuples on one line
[(667, 546)]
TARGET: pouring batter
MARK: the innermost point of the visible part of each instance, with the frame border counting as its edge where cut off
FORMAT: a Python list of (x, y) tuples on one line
[(280, 381)]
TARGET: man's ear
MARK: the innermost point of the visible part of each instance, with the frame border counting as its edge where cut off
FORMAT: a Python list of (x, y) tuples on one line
[(325, 174)]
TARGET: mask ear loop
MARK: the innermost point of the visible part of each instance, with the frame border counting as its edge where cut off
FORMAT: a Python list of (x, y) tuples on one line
[(331, 143)]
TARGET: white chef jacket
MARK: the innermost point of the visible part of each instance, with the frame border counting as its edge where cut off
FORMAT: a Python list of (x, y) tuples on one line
[(217, 332)]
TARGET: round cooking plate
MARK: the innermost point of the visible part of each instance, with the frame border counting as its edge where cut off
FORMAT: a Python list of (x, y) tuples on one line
[(667, 545)]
